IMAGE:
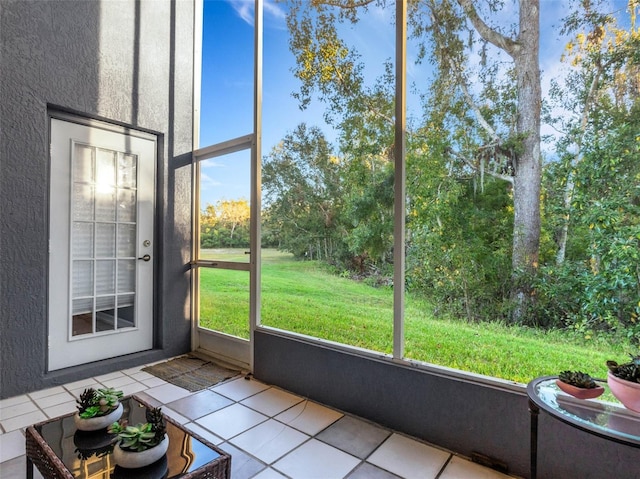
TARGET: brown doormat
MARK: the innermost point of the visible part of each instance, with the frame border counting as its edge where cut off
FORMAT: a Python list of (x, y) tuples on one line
[(190, 372)]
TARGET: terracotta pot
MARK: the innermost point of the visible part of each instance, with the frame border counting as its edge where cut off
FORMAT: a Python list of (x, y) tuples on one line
[(627, 392), (99, 422), (134, 460), (580, 393)]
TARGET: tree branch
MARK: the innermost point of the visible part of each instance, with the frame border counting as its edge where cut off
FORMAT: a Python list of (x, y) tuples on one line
[(486, 32), (472, 104), (346, 4), (495, 174)]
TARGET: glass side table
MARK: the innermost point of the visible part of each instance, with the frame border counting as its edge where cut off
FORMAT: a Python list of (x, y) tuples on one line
[(609, 420), (61, 452)]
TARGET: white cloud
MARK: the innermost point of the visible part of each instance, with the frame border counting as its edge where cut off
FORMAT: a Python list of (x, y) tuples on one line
[(273, 10), (206, 182), (245, 10), (210, 163)]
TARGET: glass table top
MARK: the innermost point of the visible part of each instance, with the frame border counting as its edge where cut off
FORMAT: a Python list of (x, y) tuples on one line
[(607, 418), (89, 454)]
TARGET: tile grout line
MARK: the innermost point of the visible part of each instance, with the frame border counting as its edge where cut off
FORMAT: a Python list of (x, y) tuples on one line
[(304, 402), (39, 408), (446, 463), (270, 465)]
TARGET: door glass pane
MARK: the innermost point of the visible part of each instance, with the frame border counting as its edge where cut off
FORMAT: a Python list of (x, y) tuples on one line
[(126, 310), (126, 317), (105, 309), (105, 240), (82, 278), (83, 202), (105, 203), (126, 276), (126, 240), (105, 277), (103, 229), (82, 317), (83, 165), (105, 168), (126, 205), (82, 240), (127, 174)]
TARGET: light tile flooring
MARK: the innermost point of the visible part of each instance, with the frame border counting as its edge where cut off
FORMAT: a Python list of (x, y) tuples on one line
[(270, 433)]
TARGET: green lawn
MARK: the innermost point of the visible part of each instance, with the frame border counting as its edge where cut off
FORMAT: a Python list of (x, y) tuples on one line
[(304, 297)]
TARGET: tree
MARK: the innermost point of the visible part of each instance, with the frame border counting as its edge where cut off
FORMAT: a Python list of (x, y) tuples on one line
[(511, 148), (592, 189), (232, 214), (303, 190), (604, 58), (225, 224), (504, 140)]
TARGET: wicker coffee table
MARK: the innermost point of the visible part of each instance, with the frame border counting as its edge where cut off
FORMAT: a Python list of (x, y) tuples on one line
[(59, 451)]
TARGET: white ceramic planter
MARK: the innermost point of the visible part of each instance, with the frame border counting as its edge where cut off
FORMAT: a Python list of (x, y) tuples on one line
[(133, 460), (100, 422)]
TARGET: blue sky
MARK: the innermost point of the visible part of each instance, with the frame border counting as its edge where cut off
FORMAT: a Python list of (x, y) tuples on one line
[(227, 87), (227, 78)]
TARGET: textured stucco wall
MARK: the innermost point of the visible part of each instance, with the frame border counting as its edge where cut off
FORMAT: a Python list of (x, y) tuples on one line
[(462, 416), (122, 61)]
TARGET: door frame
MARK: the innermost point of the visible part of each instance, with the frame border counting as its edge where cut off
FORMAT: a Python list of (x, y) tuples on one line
[(129, 131), (228, 348)]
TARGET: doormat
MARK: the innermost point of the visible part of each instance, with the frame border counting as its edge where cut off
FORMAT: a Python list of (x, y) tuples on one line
[(190, 372)]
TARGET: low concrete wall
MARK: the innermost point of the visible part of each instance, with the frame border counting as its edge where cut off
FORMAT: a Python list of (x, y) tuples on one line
[(459, 415)]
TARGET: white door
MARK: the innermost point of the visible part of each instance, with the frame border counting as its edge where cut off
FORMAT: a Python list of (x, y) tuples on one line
[(101, 243)]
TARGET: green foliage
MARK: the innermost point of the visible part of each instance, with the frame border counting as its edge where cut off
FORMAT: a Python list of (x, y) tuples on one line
[(302, 189), (577, 379), (225, 224), (336, 204), (458, 253), (592, 191), (306, 297), (597, 286), (629, 371), (142, 436), (94, 403)]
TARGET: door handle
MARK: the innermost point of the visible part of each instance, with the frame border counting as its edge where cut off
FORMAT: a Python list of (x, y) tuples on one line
[(146, 257)]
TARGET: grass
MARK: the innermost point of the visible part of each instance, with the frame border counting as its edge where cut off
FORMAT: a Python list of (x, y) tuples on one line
[(304, 297)]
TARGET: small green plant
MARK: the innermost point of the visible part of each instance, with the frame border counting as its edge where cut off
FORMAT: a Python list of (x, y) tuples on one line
[(96, 403), (629, 371), (577, 379), (141, 437)]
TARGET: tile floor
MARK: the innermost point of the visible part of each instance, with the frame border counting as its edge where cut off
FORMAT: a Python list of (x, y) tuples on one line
[(270, 433)]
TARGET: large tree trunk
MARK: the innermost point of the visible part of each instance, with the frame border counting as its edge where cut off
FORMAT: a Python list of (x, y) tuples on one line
[(527, 163), (528, 168)]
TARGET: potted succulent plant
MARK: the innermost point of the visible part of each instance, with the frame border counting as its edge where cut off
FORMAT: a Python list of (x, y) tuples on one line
[(142, 444), (624, 382), (579, 384), (97, 409)]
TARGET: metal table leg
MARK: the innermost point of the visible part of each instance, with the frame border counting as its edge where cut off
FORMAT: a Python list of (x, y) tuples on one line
[(533, 413)]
